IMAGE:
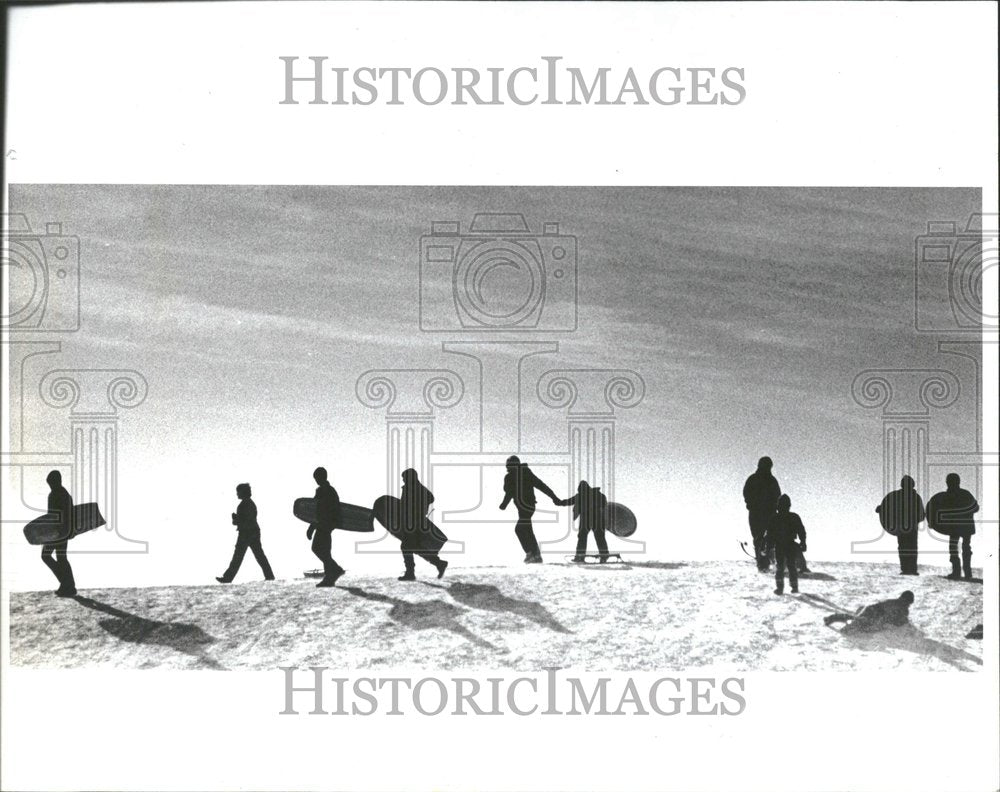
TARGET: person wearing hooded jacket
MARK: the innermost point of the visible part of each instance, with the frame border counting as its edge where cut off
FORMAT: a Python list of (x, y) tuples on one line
[(589, 507), (760, 493), (901, 511), (60, 510), (784, 527), (415, 501), (519, 486)]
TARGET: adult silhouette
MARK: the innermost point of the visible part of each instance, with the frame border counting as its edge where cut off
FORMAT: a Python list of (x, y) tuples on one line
[(415, 500), (321, 531), (950, 513), (760, 493), (60, 510), (519, 486), (784, 527), (247, 536), (589, 506), (901, 511)]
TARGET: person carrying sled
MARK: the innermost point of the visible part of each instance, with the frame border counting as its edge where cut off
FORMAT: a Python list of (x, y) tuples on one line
[(321, 531), (950, 513), (589, 507), (760, 493), (415, 500), (247, 537), (901, 511), (876, 617), (519, 486), (784, 527), (60, 510)]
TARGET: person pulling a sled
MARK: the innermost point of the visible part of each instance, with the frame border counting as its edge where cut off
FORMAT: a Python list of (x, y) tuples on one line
[(589, 507)]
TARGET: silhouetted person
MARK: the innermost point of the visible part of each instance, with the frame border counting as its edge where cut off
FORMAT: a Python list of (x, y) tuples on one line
[(321, 531), (519, 485), (60, 510), (416, 499), (247, 536), (589, 506), (880, 616), (950, 513), (760, 493), (901, 512), (783, 529)]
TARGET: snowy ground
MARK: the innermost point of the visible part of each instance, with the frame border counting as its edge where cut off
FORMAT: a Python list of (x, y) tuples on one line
[(640, 616)]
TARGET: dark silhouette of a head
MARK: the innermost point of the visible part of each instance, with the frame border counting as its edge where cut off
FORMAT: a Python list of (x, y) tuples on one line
[(243, 490), (410, 476), (582, 487), (907, 597), (764, 464), (906, 483), (784, 503), (513, 462), (54, 479), (319, 474), (953, 481)]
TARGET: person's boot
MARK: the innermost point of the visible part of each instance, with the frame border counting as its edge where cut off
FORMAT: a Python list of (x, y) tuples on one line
[(779, 590), (795, 588), (579, 559), (224, 580), (967, 565), (330, 580), (441, 565), (956, 570), (408, 575), (535, 558)]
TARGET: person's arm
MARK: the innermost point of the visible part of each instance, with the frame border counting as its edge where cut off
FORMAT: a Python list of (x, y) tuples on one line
[(746, 493), (800, 531), (541, 485), (508, 493), (921, 515)]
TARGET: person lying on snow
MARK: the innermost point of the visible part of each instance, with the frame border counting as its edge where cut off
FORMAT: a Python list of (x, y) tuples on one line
[(874, 618)]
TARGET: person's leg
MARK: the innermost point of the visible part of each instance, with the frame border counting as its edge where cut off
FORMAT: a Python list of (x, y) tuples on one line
[(434, 560), (779, 570), (581, 540), (321, 546), (531, 543), (793, 573), (967, 555), (258, 553), (956, 565), (238, 553), (758, 526), (47, 551), (68, 584), (602, 542)]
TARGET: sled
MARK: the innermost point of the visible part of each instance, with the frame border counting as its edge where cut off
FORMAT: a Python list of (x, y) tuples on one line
[(356, 519), (388, 510), (46, 529), (594, 559), (619, 520)]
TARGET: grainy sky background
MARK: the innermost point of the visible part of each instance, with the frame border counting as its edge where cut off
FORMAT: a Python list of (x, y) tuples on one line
[(251, 311)]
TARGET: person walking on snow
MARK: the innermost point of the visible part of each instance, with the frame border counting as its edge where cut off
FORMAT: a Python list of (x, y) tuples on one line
[(784, 527), (760, 493), (519, 486), (247, 537)]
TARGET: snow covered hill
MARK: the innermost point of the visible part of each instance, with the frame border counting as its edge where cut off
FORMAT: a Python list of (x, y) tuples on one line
[(644, 615)]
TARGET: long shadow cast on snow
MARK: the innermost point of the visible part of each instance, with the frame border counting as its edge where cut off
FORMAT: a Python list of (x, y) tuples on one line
[(907, 638), (188, 639), (435, 614), (668, 565), (490, 598)]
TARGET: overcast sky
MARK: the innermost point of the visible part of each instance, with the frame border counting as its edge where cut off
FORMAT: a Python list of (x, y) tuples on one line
[(251, 311)]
